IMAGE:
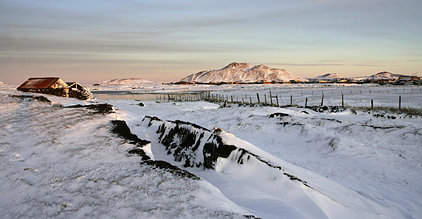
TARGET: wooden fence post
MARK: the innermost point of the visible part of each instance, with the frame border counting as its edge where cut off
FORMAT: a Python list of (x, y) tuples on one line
[(400, 102), (291, 100), (271, 99), (342, 101), (306, 102), (372, 104), (276, 96), (322, 100)]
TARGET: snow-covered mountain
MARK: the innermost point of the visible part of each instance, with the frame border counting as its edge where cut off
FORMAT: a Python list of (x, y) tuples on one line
[(375, 77), (243, 73), (126, 81), (1, 83), (384, 75), (329, 76)]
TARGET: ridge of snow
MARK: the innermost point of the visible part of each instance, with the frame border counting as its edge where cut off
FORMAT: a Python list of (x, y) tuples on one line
[(241, 72), (246, 168), (378, 76)]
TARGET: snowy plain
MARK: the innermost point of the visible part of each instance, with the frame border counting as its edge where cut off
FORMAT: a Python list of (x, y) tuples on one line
[(60, 162)]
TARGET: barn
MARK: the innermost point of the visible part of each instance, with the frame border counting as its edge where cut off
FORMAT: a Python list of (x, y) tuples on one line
[(55, 86)]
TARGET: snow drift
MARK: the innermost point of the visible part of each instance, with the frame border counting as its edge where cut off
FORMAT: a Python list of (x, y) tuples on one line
[(240, 169)]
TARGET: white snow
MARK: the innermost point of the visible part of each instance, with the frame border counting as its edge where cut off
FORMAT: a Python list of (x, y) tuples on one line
[(58, 162), (329, 76), (126, 81)]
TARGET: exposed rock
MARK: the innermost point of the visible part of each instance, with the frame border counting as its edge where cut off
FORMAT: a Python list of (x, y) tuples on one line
[(278, 115), (196, 146), (30, 97), (103, 108), (120, 128)]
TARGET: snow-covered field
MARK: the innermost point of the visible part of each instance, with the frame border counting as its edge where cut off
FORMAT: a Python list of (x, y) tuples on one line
[(64, 162)]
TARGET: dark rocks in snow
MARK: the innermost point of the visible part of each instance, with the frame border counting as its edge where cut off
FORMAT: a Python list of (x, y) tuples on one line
[(278, 115), (196, 146), (151, 119), (212, 151), (251, 216), (103, 108), (288, 123), (120, 128), (32, 98), (385, 127), (170, 168), (326, 109), (140, 152), (384, 116), (297, 179), (183, 139)]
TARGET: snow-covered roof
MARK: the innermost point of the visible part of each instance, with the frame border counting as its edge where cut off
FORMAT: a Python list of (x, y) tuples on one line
[(42, 83)]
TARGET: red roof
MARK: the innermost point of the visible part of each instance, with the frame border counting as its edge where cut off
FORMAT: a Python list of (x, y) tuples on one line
[(38, 83)]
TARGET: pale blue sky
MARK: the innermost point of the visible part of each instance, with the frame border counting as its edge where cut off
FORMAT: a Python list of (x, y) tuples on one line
[(91, 41)]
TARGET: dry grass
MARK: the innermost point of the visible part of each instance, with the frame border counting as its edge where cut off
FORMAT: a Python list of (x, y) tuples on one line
[(404, 110)]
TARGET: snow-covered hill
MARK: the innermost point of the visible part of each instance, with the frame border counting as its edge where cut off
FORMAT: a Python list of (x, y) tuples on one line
[(329, 76), (243, 73), (384, 76), (125, 82), (68, 162)]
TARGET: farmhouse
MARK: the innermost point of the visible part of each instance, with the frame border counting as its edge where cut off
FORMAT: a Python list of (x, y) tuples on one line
[(55, 86)]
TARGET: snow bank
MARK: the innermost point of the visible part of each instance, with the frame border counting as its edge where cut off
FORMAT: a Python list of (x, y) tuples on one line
[(64, 163), (241, 174)]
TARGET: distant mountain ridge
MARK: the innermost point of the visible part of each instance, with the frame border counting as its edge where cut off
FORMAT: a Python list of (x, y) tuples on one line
[(329, 76), (385, 75), (126, 81), (375, 77), (242, 73)]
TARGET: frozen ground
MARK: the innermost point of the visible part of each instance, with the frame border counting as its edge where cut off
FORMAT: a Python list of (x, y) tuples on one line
[(64, 162)]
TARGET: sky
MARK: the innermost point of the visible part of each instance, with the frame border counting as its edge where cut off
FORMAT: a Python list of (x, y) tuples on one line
[(162, 40)]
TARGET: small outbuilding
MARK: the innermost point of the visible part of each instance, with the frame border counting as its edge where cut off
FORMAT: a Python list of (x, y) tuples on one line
[(55, 86)]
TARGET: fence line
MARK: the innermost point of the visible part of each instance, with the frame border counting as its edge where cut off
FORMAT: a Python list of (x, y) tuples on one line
[(207, 96), (276, 100)]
